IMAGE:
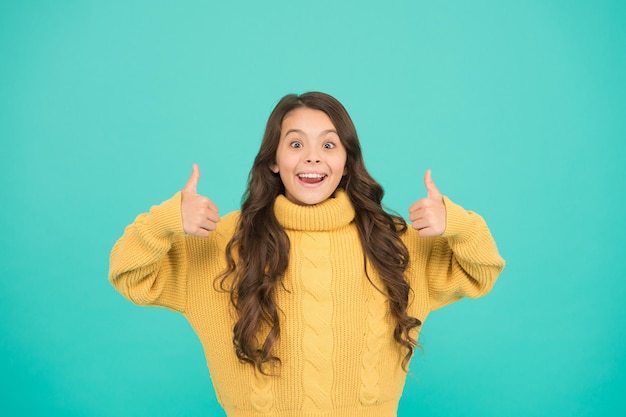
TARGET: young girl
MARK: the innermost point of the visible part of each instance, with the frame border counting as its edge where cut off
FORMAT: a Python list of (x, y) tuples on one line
[(308, 301)]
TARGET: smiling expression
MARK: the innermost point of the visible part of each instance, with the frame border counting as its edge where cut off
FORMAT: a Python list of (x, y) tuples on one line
[(310, 159)]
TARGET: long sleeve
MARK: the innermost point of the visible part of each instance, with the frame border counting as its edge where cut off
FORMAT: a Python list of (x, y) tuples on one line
[(148, 263), (463, 262)]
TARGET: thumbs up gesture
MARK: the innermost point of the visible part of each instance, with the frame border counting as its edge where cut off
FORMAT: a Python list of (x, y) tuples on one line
[(200, 215), (428, 215)]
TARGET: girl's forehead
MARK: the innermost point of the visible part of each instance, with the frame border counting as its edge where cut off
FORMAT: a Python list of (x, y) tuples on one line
[(304, 118)]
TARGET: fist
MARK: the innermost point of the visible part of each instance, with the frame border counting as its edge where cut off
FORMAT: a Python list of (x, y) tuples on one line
[(200, 215), (428, 215)]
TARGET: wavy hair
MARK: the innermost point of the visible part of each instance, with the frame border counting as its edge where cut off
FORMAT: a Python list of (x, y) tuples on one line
[(258, 253)]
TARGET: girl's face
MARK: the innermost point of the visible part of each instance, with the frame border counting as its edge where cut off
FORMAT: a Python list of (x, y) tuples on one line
[(310, 158)]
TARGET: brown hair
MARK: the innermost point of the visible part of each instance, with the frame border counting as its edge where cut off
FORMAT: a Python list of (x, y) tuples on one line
[(262, 246)]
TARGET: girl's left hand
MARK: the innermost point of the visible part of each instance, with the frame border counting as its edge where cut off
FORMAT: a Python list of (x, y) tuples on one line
[(428, 215)]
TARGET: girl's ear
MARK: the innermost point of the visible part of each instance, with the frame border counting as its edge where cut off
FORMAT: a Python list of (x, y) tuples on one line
[(274, 168)]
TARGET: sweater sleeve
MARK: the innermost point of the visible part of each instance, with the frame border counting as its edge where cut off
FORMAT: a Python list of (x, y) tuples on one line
[(148, 263), (464, 261)]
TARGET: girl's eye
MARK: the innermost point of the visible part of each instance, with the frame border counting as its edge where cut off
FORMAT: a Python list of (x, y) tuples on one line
[(328, 145), (295, 144)]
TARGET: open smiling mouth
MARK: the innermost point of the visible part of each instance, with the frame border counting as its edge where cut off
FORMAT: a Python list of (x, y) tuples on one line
[(312, 178)]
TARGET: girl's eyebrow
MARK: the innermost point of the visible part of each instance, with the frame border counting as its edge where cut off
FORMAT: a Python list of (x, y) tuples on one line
[(302, 132)]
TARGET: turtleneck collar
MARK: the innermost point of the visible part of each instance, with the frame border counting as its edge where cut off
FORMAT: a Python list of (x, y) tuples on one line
[(334, 213)]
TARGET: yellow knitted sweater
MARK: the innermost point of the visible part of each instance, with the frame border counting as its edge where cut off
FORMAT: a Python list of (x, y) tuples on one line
[(339, 357)]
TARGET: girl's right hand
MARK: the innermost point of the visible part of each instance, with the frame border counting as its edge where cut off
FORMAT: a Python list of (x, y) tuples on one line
[(200, 215)]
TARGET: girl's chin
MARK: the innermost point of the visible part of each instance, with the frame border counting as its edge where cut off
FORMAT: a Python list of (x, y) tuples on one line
[(307, 199), (307, 194)]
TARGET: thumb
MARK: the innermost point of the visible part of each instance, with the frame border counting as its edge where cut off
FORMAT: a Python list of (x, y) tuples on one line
[(192, 183), (431, 188)]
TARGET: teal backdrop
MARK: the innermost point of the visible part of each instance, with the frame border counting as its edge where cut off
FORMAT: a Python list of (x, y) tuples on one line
[(518, 107)]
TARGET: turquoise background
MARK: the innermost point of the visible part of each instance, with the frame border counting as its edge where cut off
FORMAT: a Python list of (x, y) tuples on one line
[(518, 107)]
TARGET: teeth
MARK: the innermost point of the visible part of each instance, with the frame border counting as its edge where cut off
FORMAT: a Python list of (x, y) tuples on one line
[(311, 175)]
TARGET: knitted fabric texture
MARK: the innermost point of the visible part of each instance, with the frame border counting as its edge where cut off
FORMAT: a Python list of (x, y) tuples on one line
[(337, 350)]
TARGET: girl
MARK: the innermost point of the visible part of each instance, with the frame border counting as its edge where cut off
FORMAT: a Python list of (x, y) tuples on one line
[(309, 300)]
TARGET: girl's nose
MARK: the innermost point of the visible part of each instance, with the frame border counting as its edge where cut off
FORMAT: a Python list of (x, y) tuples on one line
[(312, 157)]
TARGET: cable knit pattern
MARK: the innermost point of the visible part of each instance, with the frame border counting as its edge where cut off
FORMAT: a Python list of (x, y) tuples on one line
[(377, 309), (261, 397), (317, 310), (336, 344)]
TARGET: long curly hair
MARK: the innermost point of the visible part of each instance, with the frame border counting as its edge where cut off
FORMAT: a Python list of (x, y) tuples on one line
[(258, 253)]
